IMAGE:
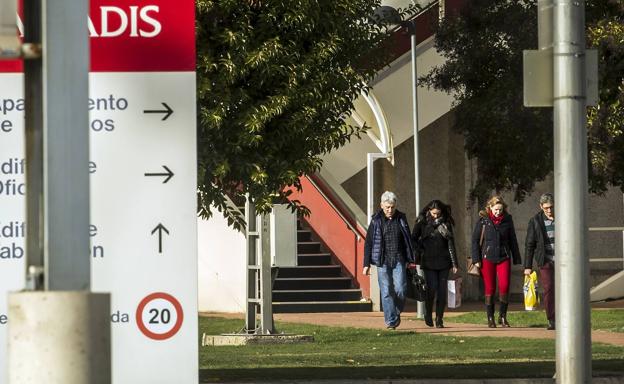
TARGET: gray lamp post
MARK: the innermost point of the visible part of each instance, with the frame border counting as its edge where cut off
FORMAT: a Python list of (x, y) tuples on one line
[(390, 16)]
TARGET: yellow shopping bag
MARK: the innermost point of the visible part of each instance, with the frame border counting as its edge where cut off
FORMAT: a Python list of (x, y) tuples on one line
[(531, 299)]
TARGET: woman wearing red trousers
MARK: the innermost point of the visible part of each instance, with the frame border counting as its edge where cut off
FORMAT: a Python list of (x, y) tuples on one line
[(494, 248)]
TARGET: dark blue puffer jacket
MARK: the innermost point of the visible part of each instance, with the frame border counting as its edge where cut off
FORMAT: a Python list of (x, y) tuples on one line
[(499, 241), (373, 247)]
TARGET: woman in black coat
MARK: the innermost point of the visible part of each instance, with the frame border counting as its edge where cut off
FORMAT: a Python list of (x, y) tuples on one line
[(435, 249), (494, 248)]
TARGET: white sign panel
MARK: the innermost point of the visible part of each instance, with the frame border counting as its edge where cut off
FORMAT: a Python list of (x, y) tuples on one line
[(12, 201), (143, 186), (143, 221)]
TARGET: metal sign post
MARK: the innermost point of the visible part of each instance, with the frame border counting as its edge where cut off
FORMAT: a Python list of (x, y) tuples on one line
[(65, 328), (259, 282), (563, 74), (571, 263)]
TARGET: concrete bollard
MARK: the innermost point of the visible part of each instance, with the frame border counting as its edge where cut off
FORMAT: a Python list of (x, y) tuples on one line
[(59, 337)]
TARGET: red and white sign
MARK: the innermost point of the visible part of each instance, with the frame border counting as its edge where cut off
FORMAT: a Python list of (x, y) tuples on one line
[(159, 316), (136, 36), (143, 229)]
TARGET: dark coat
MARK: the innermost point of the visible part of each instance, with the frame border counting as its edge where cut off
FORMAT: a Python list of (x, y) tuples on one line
[(499, 242), (373, 247), (535, 244), (435, 246)]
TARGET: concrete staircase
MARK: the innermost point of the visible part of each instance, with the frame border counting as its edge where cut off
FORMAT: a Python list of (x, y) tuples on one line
[(316, 284)]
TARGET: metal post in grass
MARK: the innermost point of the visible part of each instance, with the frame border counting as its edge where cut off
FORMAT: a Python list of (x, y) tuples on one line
[(570, 138), (390, 16), (259, 294), (563, 74)]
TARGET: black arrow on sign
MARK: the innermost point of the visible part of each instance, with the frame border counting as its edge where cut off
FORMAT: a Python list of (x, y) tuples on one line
[(160, 228), (167, 111), (169, 174)]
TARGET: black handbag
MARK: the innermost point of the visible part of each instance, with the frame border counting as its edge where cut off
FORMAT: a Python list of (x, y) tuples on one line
[(420, 286)]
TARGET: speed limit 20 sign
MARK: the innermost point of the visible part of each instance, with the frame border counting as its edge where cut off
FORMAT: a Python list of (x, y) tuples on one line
[(159, 316)]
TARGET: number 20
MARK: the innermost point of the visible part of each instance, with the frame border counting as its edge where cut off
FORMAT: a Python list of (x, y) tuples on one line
[(165, 316)]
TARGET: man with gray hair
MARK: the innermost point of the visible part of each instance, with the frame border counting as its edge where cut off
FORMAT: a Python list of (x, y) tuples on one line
[(540, 246), (389, 247)]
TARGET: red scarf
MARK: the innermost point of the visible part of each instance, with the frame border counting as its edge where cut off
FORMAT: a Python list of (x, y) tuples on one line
[(496, 220)]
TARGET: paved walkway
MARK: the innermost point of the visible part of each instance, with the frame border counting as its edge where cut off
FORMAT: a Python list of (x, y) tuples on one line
[(374, 320)]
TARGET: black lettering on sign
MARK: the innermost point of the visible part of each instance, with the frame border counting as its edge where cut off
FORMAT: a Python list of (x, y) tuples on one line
[(120, 317), (13, 229), (13, 251), (97, 251), (12, 187), (160, 317), (3, 319), (106, 125), (10, 105), (92, 167), (110, 103), (13, 166), (6, 126)]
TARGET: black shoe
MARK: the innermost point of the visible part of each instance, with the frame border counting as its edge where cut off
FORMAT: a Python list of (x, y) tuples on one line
[(489, 310), (439, 323), (502, 315), (491, 322), (551, 325), (429, 320), (502, 321), (395, 325)]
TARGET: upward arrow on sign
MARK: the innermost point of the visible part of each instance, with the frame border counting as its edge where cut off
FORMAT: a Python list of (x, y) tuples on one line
[(167, 111), (160, 228)]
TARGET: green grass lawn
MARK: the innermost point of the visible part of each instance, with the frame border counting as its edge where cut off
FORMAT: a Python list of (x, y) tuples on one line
[(352, 353), (611, 320)]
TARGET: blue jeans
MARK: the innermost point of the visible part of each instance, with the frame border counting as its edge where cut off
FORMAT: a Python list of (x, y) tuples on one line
[(393, 286)]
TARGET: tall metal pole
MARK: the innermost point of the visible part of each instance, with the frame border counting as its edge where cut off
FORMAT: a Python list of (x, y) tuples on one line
[(252, 236), (266, 286), (412, 30), (33, 95), (570, 137), (63, 335), (66, 145)]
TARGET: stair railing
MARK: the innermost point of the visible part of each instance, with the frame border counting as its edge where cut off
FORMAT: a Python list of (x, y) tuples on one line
[(609, 229), (608, 259), (338, 211)]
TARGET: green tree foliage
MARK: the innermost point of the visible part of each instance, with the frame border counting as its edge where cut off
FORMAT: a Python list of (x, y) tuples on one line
[(606, 121), (513, 145), (276, 80)]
